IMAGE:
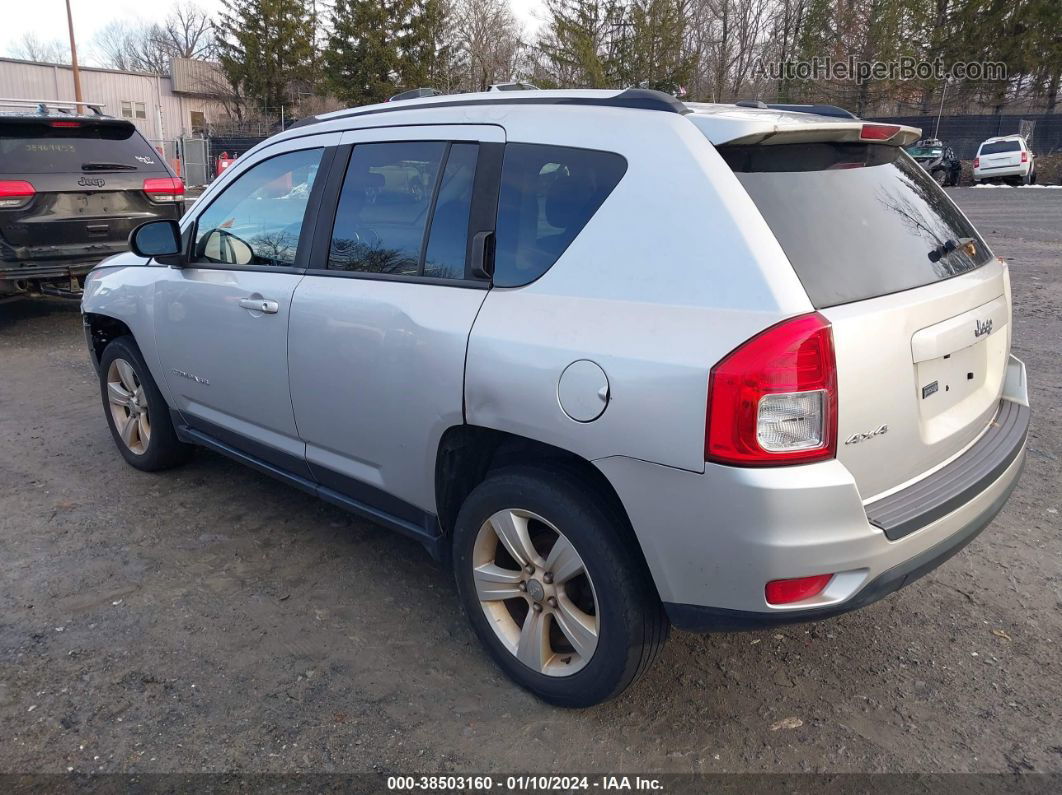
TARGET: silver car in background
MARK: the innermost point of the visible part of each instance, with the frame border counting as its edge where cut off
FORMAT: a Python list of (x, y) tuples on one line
[(623, 363)]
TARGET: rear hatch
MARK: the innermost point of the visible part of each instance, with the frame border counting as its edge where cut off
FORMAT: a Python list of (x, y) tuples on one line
[(919, 306), (76, 188), (999, 154)]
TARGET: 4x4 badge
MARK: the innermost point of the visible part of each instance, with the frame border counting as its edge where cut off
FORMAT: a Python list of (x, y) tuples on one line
[(91, 182), (856, 438)]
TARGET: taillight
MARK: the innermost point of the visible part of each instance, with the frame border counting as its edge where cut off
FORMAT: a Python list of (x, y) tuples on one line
[(878, 132), (164, 189), (1025, 157), (773, 400), (15, 193), (64, 124), (977, 162), (784, 592)]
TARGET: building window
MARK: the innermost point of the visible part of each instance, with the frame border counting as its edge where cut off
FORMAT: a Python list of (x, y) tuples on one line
[(198, 119), (133, 110)]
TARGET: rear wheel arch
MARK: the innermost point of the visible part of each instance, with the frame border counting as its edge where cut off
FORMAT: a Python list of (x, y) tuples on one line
[(468, 454)]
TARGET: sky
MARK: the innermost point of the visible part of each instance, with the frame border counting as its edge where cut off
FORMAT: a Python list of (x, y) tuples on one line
[(47, 18)]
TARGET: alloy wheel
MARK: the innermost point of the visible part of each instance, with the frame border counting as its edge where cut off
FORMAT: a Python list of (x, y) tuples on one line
[(536, 592), (129, 406)]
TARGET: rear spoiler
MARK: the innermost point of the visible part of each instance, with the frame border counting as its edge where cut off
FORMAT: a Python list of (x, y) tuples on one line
[(829, 131)]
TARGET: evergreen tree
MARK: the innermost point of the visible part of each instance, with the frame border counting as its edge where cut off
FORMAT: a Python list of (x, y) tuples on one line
[(583, 42), (380, 47), (361, 60), (658, 57), (266, 49)]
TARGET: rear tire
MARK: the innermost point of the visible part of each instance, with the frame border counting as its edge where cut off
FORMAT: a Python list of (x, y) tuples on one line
[(136, 412), (572, 595)]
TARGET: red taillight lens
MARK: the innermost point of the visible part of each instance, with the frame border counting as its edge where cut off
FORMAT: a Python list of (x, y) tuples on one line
[(977, 162), (878, 132), (64, 124), (784, 592), (15, 193), (164, 189), (774, 400), (1025, 157)]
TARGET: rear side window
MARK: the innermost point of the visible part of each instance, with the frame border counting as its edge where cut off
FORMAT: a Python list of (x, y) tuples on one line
[(548, 194), (39, 148), (998, 147), (856, 220), (385, 207)]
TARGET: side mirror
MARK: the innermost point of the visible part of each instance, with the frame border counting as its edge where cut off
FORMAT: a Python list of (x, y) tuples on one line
[(159, 239)]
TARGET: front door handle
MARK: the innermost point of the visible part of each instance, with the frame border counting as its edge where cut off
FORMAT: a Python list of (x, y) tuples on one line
[(263, 305)]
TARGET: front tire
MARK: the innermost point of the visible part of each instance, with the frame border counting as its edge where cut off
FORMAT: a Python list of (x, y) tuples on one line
[(553, 587), (136, 412)]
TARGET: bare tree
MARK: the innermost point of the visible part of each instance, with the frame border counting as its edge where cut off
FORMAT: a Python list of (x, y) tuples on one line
[(31, 47), (187, 33), (490, 40)]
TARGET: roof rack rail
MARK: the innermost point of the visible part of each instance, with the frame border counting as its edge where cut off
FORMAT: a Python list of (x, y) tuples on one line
[(60, 105), (638, 98)]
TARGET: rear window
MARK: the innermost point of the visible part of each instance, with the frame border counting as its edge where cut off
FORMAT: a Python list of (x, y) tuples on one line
[(548, 194), (998, 147), (925, 151), (38, 148), (856, 220)]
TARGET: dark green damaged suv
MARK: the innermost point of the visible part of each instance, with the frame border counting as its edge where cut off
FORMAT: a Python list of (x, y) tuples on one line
[(72, 188)]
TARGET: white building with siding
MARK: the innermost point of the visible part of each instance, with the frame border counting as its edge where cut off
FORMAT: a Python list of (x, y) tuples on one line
[(163, 107)]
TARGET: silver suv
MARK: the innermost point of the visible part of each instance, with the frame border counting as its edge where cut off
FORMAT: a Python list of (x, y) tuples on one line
[(623, 363)]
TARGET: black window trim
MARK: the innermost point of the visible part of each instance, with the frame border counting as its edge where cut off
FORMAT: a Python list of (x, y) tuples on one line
[(481, 216), (309, 219)]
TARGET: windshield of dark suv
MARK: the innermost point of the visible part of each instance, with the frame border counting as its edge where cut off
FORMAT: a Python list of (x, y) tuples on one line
[(856, 220), (925, 151), (61, 146)]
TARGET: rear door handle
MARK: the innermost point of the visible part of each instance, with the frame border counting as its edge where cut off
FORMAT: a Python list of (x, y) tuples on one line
[(263, 305)]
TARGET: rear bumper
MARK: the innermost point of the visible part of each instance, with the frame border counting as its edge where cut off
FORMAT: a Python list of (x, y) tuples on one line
[(713, 541), (1001, 172)]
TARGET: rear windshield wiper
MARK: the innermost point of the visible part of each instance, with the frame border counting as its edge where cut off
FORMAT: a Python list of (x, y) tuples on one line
[(107, 167)]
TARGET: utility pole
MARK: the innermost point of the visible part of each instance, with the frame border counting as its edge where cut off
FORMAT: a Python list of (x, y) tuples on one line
[(73, 57)]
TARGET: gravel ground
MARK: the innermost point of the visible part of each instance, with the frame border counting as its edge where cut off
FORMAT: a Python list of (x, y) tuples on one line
[(208, 619)]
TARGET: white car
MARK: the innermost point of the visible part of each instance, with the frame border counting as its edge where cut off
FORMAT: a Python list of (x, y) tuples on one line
[(1008, 158)]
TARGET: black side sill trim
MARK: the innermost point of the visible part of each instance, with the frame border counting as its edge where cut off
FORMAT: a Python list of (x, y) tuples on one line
[(696, 618), (636, 98), (939, 494), (432, 542)]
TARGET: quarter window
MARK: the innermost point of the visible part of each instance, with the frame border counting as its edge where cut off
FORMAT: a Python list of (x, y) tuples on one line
[(548, 194), (258, 219)]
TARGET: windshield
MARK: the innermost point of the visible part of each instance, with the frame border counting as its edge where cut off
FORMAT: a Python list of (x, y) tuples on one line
[(925, 151), (33, 147), (856, 220)]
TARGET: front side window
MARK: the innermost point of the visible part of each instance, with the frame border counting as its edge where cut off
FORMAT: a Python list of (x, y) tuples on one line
[(548, 194), (257, 220)]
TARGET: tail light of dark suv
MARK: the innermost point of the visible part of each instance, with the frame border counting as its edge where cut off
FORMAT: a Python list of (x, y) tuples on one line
[(773, 400), (15, 193), (164, 189)]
